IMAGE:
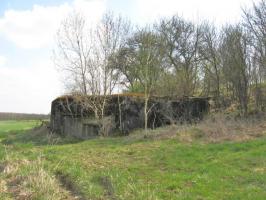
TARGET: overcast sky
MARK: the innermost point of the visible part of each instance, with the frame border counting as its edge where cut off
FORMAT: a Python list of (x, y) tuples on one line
[(28, 79)]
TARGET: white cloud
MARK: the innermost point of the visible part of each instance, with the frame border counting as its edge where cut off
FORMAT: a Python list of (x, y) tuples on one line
[(29, 90), (91, 9), (218, 11), (3, 60), (36, 28)]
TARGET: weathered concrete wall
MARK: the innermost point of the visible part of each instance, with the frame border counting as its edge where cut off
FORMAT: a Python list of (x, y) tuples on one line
[(80, 128), (69, 118)]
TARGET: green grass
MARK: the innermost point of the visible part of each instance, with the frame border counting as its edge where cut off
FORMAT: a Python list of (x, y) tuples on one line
[(125, 169), (9, 127)]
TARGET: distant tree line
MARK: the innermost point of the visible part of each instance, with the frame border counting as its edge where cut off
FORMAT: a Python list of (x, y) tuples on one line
[(173, 57), (22, 116)]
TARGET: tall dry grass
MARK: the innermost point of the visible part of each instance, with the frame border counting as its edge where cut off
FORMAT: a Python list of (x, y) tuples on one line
[(221, 127), (214, 128), (23, 179)]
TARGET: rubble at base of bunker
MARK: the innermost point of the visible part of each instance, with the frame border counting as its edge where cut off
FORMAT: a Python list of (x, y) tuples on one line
[(122, 112)]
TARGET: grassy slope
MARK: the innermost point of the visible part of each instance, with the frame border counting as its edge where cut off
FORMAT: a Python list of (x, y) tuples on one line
[(120, 168), (11, 129)]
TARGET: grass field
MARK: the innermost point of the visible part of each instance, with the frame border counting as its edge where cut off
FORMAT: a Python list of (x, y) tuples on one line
[(41, 166)]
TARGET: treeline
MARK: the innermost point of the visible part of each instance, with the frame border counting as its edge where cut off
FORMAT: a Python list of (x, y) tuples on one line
[(22, 116), (173, 57)]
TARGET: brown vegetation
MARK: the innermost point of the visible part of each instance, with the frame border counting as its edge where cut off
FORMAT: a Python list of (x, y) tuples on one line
[(214, 129)]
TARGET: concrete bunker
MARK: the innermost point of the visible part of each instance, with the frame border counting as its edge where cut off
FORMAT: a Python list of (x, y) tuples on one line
[(122, 113)]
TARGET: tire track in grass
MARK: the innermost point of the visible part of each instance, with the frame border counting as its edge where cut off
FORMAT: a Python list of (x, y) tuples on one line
[(70, 186)]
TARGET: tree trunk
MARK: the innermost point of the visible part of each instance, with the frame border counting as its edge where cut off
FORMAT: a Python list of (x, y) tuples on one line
[(146, 114)]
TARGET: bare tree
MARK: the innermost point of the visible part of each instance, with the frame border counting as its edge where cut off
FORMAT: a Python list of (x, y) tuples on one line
[(148, 60), (209, 51), (236, 64), (255, 24), (110, 35), (73, 51), (181, 39), (140, 63), (83, 53)]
